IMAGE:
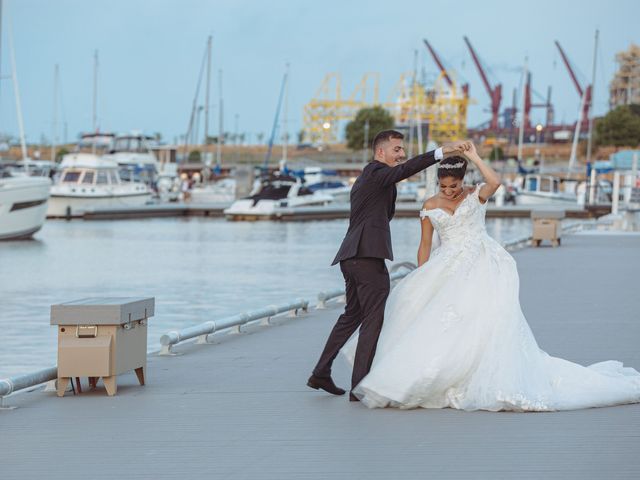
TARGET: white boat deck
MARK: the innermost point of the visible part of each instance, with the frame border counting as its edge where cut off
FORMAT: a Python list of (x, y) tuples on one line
[(240, 409)]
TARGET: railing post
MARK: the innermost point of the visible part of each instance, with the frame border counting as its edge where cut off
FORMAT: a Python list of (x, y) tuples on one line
[(165, 350), (592, 187), (615, 196)]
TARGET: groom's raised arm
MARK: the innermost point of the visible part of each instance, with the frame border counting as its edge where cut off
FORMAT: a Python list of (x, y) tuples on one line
[(386, 175)]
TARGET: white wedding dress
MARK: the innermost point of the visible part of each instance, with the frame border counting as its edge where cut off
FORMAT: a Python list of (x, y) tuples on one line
[(454, 336)]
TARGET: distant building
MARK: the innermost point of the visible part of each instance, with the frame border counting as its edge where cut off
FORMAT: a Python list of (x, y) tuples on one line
[(625, 86)]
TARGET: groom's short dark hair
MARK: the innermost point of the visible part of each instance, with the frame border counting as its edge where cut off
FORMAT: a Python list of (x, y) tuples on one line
[(385, 136)]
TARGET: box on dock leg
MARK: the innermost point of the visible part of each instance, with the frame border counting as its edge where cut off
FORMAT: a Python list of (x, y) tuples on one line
[(101, 338), (546, 226)]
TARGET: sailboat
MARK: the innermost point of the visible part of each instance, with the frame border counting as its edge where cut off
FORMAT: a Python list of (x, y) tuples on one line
[(23, 198), (278, 190)]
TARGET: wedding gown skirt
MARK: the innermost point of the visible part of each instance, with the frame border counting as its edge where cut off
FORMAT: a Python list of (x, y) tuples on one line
[(454, 336)]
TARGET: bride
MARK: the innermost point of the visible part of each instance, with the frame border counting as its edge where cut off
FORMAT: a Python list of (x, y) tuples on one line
[(454, 334)]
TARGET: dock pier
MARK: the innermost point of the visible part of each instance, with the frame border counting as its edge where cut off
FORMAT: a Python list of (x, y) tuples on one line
[(327, 212), (238, 407)]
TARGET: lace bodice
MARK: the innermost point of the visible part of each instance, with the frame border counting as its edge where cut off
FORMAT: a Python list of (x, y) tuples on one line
[(466, 222)]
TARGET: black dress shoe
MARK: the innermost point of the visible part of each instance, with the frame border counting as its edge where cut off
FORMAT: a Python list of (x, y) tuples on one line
[(326, 384), (353, 398)]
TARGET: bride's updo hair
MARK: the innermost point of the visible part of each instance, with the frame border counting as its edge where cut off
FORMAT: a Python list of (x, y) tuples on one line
[(455, 167)]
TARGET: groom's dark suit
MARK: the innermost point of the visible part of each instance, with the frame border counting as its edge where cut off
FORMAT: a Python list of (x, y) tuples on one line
[(361, 256)]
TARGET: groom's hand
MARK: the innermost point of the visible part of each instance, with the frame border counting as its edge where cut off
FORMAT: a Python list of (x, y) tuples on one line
[(456, 148)]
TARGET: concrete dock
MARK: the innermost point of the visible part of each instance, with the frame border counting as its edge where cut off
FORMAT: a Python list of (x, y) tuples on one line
[(239, 408)]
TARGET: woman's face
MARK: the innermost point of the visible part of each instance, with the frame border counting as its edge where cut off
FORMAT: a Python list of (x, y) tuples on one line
[(450, 187)]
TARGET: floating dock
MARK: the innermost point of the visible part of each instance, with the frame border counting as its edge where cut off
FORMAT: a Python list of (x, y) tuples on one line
[(240, 409), (327, 212)]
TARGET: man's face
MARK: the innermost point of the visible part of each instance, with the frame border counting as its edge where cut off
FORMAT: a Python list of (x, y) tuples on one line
[(391, 152)]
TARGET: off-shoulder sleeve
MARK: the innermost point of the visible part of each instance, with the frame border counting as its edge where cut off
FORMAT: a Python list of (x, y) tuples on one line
[(424, 213), (476, 194)]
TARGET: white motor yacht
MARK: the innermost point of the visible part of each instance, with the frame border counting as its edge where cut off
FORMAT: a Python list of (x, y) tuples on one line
[(276, 192), (222, 191), (317, 180), (23, 205), (135, 158), (88, 182), (537, 189)]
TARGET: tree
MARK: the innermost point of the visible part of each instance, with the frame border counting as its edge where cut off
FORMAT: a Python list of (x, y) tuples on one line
[(301, 135), (379, 119), (620, 127), (496, 153), (61, 152), (195, 156)]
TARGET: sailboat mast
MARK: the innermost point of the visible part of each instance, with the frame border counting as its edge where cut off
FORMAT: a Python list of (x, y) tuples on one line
[(593, 87), (16, 89), (285, 119), (95, 91), (220, 123), (206, 97), (417, 113), (54, 129), (521, 132), (275, 121), (0, 45)]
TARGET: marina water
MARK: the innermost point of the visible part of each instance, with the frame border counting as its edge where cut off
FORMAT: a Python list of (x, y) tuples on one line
[(197, 269)]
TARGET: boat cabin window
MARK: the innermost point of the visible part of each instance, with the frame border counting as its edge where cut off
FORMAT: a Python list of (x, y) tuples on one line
[(549, 185), (114, 177), (103, 178), (532, 184), (130, 144), (71, 176), (88, 178)]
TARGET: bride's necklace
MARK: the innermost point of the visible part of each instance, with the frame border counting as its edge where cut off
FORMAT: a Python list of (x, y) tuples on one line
[(458, 195)]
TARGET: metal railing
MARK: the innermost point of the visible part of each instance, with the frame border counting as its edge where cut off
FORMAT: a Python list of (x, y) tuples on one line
[(20, 382), (396, 274), (203, 330)]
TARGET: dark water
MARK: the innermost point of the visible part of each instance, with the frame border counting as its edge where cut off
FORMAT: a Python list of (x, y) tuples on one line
[(197, 269)]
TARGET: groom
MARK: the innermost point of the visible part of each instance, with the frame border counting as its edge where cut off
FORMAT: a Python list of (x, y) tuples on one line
[(363, 251)]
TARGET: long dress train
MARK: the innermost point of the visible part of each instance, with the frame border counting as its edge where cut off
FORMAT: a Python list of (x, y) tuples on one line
[(455, 336)]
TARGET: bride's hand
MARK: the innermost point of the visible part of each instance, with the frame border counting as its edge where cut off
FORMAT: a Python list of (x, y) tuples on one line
[(459, 147), (471, 153)]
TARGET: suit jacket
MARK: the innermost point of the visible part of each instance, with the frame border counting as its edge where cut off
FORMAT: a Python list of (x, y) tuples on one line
[(373, 204)]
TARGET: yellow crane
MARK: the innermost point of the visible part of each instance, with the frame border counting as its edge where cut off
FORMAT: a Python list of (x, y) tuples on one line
[(441, 106), (322, 116)]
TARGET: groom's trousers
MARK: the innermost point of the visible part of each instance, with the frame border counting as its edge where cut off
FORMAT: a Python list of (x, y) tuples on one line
[(367, 288)]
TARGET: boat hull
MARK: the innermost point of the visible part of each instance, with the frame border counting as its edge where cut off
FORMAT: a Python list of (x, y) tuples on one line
[(245, 209), (540, 198), (62, 206), (23, 206)]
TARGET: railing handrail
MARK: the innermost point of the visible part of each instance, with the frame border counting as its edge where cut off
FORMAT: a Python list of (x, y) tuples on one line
[(201, 330), (20, 382)]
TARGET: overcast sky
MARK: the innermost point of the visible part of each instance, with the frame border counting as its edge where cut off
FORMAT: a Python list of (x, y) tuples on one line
[(150, 54)]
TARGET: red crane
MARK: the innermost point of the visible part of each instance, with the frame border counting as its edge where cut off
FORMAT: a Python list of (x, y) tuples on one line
[(495, 93), (436, 58), (581, 92)]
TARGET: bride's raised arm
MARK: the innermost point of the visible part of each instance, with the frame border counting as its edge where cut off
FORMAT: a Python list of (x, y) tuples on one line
[(426, 239), (491, 178)]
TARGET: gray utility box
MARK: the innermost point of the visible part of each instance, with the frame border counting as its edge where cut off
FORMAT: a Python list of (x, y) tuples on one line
[(546, 226), (101, 337)]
